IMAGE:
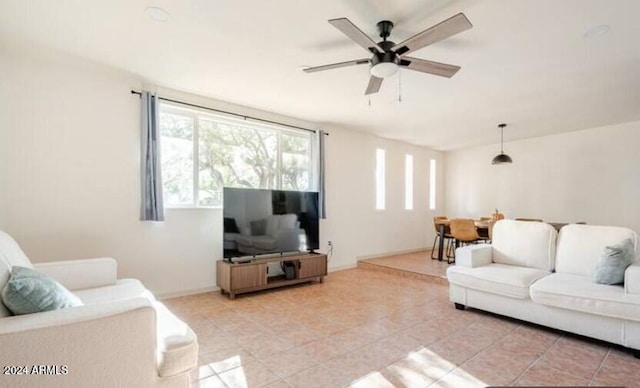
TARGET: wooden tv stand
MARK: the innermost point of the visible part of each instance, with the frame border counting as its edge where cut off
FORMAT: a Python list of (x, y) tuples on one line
[(253, 275)]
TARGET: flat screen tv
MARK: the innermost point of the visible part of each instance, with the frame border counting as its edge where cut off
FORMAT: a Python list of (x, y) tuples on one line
[(260, 221)]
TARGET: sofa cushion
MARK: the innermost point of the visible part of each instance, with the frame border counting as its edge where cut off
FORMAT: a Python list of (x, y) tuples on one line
[(264, 242), (10, 255), (273, 223), (579, 293), (288, 221), (247, 241), (506, 280), (122, 290), (177, 349), (613, 262), (580, 246), (29, 291), (258, 227), (527, 244), (11, 252)]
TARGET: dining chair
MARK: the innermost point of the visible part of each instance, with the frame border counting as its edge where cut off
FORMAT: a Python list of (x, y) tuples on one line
[(464, 232), (446, 239)]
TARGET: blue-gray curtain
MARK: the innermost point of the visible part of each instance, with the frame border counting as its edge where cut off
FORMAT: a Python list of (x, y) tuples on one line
[(321, 189), (152, 208)]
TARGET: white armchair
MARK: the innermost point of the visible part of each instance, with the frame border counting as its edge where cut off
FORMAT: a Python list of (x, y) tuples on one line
[(121, 337)]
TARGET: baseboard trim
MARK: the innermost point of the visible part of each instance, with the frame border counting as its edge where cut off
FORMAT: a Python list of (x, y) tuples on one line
[(342, 267), (178, 294), (378, 255)]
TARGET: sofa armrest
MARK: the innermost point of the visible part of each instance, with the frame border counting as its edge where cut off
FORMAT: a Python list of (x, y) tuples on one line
[(111, 343), (81, 274), (72, 315), (632, 279), (473, 256)]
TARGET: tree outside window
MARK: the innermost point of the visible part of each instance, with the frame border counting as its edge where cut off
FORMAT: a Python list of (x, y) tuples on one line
[(229, 153)]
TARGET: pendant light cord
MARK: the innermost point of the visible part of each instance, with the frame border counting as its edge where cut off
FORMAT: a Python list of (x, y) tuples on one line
[(501, 126)]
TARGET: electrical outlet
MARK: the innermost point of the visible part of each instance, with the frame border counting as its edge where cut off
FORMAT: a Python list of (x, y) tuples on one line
[(329, 243)]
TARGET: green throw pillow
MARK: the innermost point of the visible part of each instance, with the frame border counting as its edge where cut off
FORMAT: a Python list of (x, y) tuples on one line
[(614, 261), (29, 291)]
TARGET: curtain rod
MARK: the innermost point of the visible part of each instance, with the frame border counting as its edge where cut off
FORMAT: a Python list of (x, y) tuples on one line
[(229, 113)]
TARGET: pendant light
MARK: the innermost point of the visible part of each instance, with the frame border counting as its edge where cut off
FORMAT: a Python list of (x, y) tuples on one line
[(502, 158)]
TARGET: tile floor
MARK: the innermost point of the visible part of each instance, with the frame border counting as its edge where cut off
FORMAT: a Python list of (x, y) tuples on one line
[(418, 265), (364, 328)]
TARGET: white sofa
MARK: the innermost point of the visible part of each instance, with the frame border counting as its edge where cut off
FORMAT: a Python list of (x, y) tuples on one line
[(121, 337), (532, 273), (282, 234)]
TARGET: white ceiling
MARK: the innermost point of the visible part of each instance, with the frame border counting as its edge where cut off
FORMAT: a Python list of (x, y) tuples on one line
[(524, 62)]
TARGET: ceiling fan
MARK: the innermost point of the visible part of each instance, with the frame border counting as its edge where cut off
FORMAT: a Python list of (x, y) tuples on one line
[(388, 56)]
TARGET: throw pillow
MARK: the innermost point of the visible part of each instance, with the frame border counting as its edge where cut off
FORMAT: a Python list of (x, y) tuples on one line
[(230, 225), (272, 225), (28, 291), (615, 259), (258, 227)]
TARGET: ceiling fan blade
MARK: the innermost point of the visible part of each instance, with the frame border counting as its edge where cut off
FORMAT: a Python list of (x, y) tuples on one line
[(436, 68), (336, 65), (440, 31), (374, 85), (356, 34)]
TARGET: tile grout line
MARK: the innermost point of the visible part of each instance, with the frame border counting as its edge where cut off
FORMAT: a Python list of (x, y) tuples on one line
[(604, 359), (554, 344), (475, 355)]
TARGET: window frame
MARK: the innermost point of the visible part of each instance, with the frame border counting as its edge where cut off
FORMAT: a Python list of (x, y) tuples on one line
[(196, 114)]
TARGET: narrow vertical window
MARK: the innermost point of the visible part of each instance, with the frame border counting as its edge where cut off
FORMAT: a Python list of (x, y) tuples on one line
[(380, 183), (432, 184), (408, 182)]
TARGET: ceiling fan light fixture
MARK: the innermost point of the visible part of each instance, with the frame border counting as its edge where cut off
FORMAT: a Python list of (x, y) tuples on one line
[(386, 58), (502, 158), (384, 69)]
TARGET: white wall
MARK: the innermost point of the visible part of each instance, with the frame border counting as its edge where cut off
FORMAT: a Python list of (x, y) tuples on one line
[(353, 225), (591, 175), (69, 170)]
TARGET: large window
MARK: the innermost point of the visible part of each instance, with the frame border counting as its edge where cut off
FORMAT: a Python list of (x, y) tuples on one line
[(202, 152)]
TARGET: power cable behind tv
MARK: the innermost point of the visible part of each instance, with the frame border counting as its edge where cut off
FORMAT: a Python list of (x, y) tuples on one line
[(329, 251)]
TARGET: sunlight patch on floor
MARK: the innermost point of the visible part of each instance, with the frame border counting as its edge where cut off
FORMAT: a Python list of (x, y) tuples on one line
[(226, 364), (419, 369)]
